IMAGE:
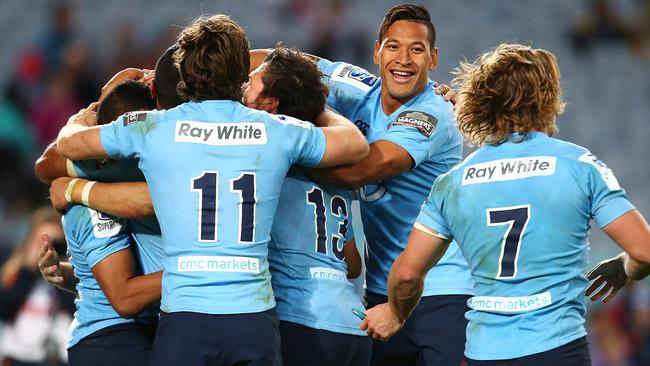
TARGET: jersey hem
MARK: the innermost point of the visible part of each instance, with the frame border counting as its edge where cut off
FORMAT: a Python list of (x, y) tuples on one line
[(220, 311), (320, 326), (485, 356)]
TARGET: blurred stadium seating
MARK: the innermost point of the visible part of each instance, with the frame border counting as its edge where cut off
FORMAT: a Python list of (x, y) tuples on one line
[(602, 46)]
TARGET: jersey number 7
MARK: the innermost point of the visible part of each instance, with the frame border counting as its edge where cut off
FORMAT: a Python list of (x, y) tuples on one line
[(516, 218)]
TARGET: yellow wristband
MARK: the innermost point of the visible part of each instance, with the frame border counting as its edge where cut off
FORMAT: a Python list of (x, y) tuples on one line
[(69, 188)]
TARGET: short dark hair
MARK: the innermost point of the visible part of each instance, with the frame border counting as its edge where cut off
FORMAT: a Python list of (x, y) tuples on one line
[(166, 80), (296, 82), (213, 59), (127, 96), (411, 13)]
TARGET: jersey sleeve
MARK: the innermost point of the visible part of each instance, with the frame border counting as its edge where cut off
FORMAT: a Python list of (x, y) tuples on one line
[(419, 132), (104, 235), (348, 84), (125, 137), (608, 199), (431, 215), (307, 142)]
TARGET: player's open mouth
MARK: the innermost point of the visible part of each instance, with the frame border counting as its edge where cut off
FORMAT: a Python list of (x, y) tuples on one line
[(402, 76)]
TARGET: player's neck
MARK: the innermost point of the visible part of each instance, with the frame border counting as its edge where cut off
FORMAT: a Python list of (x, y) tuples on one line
[(389, 104)]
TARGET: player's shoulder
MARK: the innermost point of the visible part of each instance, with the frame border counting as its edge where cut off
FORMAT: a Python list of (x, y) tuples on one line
[(572, 152), (281, 120)]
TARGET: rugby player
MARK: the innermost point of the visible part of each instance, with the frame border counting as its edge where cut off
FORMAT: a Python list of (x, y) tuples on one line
[(519, 208)]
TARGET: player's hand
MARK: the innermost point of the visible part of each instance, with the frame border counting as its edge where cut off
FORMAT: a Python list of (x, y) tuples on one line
[(86, 116), (49, 263), (126, 74), (610, 274), (381, 322), (447, 92), (57, 193)]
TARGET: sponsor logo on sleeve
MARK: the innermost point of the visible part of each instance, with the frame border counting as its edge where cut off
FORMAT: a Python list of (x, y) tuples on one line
[(104, 226), (509, 169), (220, 134), (423, 122), (606, 173), (288, 120), (357, 77), (132, 117)]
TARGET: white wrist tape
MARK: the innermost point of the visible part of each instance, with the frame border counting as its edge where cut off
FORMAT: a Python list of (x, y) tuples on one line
[(85, 193), (69, 188)]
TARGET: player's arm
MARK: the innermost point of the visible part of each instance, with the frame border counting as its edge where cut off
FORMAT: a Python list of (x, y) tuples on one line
[(55, 272), (127, 293), (344, 142), (50, 165), (385, 160), (632, 233), (352, 258), (406, 282), (125, 199), (79, 138)]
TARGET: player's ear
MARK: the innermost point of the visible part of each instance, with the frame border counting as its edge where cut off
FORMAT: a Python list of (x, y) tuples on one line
[(434, 59), (375, 54), (270, 104)]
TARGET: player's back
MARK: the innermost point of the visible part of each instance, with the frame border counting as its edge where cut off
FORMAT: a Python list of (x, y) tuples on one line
[(309, 272), (92, 236), (520, 213), (215, 170)]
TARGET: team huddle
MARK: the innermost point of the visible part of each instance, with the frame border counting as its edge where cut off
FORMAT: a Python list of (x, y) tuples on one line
[(208, 209)]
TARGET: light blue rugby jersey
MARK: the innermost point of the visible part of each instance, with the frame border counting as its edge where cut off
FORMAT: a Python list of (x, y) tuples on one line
[(425, 127), (215, 170), (145, 231), (92, 236), (309, 273), (520, 212)]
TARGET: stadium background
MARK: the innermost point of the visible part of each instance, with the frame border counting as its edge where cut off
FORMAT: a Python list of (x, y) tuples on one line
[(55, 55)]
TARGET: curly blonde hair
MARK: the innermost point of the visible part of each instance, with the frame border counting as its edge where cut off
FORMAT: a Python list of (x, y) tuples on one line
[(513, 88)]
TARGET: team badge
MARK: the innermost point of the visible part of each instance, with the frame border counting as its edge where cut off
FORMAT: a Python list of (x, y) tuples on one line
[(423, 122)]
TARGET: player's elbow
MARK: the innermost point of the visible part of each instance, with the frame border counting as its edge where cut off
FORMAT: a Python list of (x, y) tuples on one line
[(406, 277), (123, 307), (41, 172), (358, 147)]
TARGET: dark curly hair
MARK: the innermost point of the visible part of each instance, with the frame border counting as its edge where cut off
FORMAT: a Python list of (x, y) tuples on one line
[(296, 82)]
